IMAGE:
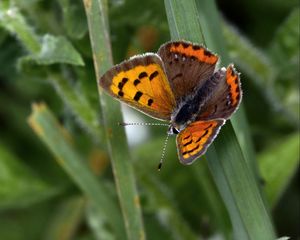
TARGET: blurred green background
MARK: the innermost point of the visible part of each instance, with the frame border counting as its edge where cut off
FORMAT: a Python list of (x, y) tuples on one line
[(45, 56)]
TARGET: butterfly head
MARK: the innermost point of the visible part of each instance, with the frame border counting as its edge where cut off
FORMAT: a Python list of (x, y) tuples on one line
[(174, 128), (185, 113)]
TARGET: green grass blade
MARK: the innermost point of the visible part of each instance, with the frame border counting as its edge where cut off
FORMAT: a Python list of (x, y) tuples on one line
[(238, 188), (98, 226), (278, 164), (82, 109), (20, 187), (233, 175), (165, 208), (111, 114), (47, 128), (212, 197), (66, 219)]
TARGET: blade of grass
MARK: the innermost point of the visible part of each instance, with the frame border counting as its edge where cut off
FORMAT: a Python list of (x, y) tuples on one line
[(98, 226), (111, 113), (165, 208), (233, 173), (278, 164), (66, 219), (20, 187), (55, 137), (79, 105), (213, 199)]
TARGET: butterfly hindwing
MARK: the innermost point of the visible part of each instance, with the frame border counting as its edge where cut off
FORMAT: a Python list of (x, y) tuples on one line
[(187, 66), (193, 141), (226, 95), (141, 82)]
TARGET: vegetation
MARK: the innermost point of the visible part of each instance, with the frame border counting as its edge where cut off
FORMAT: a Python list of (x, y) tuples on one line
[(66, 169)]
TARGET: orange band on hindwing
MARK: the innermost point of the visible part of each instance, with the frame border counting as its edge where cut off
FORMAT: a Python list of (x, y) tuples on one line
[(196, 51), (232, 79)]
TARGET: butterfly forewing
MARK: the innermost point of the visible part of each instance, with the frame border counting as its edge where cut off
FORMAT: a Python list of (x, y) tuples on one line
[(193, 141), (226, 96), (187, 66), (142, 83)]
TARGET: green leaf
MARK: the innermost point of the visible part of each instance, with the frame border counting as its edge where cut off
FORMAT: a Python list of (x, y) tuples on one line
[(97, 224), (59, 143), (66, 219), (285, 52), (26, 223), (86, 115), (285, 44), (14, 22), (20, 187), (278, 164), (212, 198), (49, 50), (111, 114), (56, 50), (165, 209), (74, 20), (252, 61)]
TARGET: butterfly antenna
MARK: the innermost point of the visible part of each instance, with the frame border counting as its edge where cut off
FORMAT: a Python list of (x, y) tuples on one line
[(142, 124), (163, 152)]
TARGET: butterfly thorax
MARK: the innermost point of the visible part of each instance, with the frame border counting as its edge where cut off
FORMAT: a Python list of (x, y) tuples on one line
[(190, 107)]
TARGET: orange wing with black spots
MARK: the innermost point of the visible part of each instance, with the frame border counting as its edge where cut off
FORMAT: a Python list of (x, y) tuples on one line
[(226, 96), (187, 66), (193, 141), (141, 82)]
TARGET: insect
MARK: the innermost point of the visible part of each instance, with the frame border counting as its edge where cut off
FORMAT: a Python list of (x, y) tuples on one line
[(179, 84)]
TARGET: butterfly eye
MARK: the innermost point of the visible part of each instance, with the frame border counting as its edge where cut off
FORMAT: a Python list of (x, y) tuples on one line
[(175, 130)]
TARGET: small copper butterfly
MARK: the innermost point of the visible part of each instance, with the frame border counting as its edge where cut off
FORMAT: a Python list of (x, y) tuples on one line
[(179, 84)]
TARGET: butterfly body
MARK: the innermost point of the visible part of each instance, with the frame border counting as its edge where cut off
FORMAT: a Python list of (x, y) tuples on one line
[(179, 84), (189, 109)]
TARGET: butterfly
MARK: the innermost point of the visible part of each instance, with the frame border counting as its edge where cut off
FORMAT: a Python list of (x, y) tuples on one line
[(179, 84)]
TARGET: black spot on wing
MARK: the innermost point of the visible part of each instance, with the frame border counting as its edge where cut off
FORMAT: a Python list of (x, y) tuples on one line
[(153, 75), (196, 47), (185, 45), (150, 101), (122, 83), (142, 75), (136, 82), (207, 53), (137, 96)]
